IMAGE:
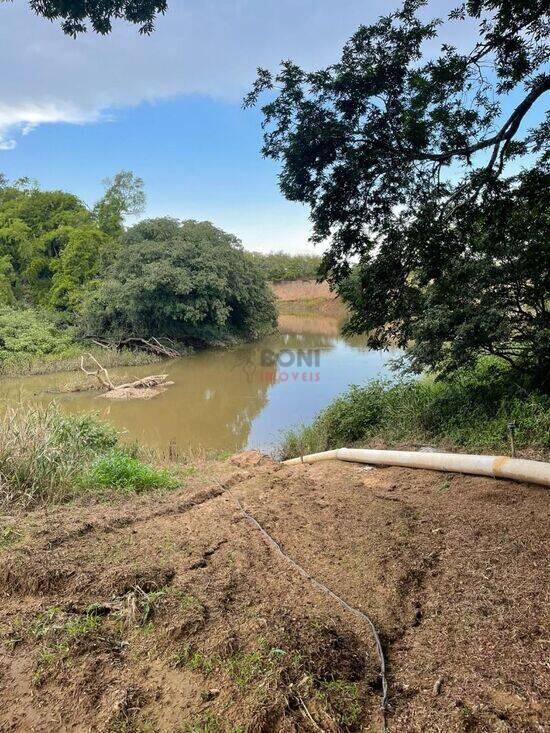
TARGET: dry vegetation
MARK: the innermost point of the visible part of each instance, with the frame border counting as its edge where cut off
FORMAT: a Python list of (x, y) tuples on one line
[(307, 298)]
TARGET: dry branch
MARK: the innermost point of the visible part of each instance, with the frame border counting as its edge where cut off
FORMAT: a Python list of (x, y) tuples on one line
[(144, 383), (152, 345), (105, 380)]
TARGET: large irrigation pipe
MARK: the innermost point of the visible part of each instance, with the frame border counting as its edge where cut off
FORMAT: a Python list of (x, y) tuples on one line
[(516, 469)]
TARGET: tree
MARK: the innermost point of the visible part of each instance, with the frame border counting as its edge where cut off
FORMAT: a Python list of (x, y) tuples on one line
[(484, 289), (188, 281), (124, 195), (401, 158), (7, 281), (74, 14), (84, 257), (51, 247), (278, 266), (33, 231)]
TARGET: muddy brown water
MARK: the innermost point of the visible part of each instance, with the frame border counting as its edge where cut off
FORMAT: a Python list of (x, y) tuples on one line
[(225, 400)]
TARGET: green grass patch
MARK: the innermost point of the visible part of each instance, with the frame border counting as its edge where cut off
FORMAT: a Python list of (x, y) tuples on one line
[(343, 699), (60, 637), (122, 472), (194, 660), (470, 411)]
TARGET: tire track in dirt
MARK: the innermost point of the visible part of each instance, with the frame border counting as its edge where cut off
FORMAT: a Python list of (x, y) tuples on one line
[(449, 568)]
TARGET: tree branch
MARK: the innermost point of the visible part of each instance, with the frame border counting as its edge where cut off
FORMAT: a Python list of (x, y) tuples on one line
[(506, 132)]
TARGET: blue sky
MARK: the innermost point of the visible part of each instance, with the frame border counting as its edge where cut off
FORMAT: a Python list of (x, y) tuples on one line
[(168, 107)]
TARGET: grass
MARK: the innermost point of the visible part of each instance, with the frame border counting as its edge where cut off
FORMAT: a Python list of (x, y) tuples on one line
[(60, 636), (47, 457), (20, 364), (118, 470), (343, 699), (470, 411), (9, 536), (210, 723), (194, 660)]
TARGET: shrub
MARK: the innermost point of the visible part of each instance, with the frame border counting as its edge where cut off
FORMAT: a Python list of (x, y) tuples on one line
[(28, 333)]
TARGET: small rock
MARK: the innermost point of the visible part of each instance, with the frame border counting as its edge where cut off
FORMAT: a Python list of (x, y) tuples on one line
[(209, 695)]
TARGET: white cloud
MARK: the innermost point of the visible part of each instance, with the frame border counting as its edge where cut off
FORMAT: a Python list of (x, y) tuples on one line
[(209, 47), (23, 118)]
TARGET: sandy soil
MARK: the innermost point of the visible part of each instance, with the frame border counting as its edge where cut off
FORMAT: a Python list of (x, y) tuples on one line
[(170, 613)]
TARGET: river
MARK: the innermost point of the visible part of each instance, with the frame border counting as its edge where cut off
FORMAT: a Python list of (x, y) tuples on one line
[(226, 399)]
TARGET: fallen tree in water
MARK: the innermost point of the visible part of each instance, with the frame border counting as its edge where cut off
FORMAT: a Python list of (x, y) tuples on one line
[(152, 345), (143, 388)]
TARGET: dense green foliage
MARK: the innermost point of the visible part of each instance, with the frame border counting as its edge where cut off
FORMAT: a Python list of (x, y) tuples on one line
[(485, 289), (30, 333), (99, 13), (187, 281), (469, 411), (67, 271), (408, 162), (48, 457), (278, 266), (52, 248)]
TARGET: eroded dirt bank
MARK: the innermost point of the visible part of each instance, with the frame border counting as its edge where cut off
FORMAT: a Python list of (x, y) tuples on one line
[(171, 614)]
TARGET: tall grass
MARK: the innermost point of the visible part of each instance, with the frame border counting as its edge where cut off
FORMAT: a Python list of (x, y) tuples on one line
[(69, 361), (471, 412), (47, 457)]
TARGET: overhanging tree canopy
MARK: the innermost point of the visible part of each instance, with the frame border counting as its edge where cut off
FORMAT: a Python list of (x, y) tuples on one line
[(394, 145), (75, 14)]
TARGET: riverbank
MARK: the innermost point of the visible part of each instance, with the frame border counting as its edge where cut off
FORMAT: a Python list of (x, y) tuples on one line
[(308, 298), (25, 365), (470, 411), (167, 611), (62, 353)]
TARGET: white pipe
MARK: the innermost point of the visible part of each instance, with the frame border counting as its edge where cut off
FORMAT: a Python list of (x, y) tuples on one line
[(517, 469)]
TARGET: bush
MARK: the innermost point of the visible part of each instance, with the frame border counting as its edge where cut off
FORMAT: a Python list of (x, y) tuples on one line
[(47, 457), (471, 410), (27, 333)]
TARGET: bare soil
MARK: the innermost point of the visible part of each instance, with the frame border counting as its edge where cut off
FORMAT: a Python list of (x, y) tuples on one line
[(170, 613)]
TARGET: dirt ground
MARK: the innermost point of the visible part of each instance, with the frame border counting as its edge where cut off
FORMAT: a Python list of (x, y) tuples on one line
[(170, 613)]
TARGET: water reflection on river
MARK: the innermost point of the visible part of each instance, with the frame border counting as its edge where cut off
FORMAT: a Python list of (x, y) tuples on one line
[(228, 399)]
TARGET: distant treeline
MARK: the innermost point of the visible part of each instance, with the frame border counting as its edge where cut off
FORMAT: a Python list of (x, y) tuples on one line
[(277, 266)]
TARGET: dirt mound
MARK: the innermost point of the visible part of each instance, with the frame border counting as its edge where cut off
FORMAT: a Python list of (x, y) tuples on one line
[(169, 613)]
